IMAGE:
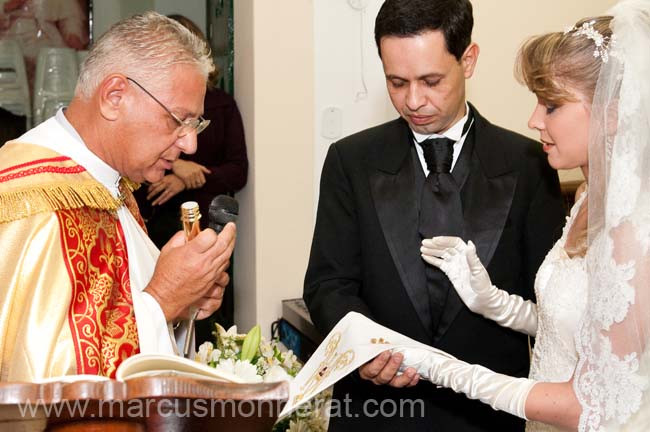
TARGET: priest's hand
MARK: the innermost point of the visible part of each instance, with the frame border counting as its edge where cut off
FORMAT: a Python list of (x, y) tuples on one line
[(211, 301), (384, 369), (192, 272)]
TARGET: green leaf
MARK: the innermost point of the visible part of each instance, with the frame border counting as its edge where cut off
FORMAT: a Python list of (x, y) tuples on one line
[(251, 343)]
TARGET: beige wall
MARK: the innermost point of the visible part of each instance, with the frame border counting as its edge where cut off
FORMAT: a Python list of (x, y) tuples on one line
[(274, 87), (500, 27), (283, 59)]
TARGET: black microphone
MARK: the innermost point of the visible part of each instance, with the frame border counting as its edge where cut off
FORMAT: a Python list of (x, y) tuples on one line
[(223, 209)]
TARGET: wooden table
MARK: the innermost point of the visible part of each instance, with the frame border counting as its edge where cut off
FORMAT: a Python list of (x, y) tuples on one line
[(160, 403)]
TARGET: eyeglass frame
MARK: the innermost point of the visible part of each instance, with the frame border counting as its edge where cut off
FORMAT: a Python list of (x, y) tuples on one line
[(192, 124)]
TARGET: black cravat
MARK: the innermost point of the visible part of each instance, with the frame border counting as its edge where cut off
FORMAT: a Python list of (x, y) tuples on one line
[(441, 214), (438, 154)]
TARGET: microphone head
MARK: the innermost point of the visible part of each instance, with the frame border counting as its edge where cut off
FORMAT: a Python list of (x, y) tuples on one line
[(223, 209)]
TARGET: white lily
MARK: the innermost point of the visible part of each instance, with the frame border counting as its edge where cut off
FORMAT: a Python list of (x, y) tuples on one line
[(231, 332), (203, 354), (276, 373), (243, 369), (215, 355)]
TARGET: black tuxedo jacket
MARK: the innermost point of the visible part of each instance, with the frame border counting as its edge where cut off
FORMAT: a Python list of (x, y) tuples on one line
[(365, 257)]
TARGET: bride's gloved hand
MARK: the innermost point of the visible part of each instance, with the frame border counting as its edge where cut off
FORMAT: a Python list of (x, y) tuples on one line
[(420, 359), (501, 392), (472, 282)]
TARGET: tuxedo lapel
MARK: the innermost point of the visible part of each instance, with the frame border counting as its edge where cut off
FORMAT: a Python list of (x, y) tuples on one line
[(488, 205), (394, 193), (487, 196)]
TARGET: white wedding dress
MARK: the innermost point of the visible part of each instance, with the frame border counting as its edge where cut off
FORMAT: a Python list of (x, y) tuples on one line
[(561, 290)]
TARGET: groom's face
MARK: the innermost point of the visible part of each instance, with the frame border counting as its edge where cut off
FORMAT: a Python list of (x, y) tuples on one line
[(426, 83)]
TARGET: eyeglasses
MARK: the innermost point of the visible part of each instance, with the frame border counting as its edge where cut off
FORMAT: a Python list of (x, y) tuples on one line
[(185, 126)]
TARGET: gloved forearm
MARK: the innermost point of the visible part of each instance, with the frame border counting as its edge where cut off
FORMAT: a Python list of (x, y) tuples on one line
[(472, 283), (501, 392), (510, 310)]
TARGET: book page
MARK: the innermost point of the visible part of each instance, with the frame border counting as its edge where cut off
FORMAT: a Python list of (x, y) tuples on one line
[(170, 365)]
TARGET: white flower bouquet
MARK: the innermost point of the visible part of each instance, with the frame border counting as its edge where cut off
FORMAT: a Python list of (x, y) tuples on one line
[(254, 359)]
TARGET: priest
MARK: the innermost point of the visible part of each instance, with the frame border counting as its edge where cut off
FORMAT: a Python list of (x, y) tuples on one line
[(81, 285)]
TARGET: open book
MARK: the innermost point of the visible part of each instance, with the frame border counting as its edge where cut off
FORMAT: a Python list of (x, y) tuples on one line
[(164, 364), (354, 341), (351, 343), (148, 365)]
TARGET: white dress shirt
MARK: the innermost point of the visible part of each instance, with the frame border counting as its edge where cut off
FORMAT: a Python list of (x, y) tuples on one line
[(454, 133)]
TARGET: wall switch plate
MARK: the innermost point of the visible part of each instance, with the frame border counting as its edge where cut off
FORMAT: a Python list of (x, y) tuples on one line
[(358, 4), (332, 123)]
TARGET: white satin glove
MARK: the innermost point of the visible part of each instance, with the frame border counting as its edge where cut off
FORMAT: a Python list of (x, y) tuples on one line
[(501, 392), (472, 282), (420, 359)]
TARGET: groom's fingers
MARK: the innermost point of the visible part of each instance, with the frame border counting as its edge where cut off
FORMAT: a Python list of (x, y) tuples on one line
[(383, 370), (415, 380), (387, 374), (371, 370), (404, 380)]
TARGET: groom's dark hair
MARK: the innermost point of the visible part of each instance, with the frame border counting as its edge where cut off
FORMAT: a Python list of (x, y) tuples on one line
[(407, 18)]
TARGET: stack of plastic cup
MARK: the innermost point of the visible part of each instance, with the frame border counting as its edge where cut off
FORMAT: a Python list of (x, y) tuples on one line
[(56, 77), (14, 90)]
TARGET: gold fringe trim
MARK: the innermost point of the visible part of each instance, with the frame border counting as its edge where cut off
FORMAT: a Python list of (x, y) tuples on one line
[(130, 184), (16, 205)]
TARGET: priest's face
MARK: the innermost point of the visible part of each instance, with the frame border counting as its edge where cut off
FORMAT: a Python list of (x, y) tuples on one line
[(426, 83), (153, 135)]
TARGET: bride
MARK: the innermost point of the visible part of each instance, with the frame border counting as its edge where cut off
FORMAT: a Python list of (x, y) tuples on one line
[(591, 361)]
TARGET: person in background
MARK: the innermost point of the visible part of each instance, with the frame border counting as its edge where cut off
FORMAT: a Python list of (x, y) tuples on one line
[(82, 287), (219, 166), (11, 126), (440, 168)]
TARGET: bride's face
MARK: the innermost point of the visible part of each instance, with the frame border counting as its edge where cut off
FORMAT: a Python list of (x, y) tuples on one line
[(564, 132)]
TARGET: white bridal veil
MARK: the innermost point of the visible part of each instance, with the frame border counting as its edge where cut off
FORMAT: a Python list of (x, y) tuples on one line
[(612, 378)]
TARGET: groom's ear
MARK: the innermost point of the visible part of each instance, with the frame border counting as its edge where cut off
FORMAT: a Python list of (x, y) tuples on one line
[(469, 59)]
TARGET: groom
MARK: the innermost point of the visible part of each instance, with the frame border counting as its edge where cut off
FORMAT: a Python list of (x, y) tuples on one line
[(439, 169)]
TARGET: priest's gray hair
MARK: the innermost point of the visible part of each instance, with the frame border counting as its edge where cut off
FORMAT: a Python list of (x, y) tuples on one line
[(143, 47)]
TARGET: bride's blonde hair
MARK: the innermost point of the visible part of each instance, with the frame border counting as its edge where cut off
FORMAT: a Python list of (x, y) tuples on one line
[(553, 64)]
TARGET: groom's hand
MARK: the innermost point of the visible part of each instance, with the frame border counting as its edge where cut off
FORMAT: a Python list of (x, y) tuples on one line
[(383, 370)]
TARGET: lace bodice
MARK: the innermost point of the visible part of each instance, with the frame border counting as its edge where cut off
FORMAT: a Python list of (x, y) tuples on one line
[(561, 290)]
